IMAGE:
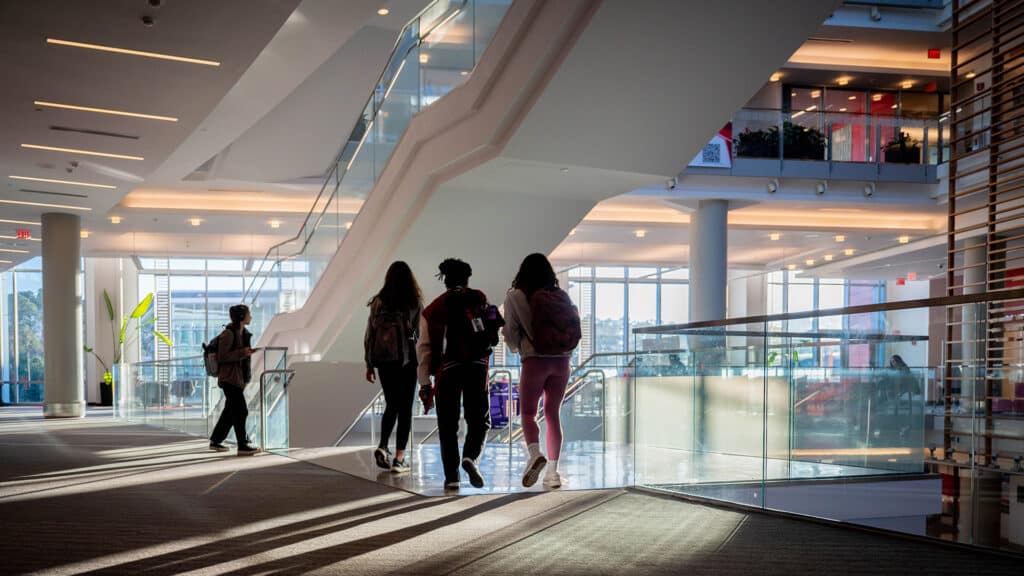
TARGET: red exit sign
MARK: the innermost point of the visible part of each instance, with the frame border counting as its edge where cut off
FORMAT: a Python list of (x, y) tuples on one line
[(24, 234), (934, 53)]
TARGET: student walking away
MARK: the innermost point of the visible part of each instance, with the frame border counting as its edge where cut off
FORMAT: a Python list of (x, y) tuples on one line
[(234, 348), (457, 332), (390, 347), (544, 327)]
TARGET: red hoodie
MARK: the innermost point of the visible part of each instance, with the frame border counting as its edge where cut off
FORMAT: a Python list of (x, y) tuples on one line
[(430, 347)]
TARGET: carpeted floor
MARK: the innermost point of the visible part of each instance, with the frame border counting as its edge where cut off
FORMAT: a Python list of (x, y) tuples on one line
[(93, 496)]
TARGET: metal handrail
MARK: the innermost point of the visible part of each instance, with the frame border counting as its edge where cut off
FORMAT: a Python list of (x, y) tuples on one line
[(940, 301), (570, 391), (334, 167)]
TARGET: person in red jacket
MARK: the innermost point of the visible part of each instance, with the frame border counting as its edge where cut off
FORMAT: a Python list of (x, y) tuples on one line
[(457, 331)]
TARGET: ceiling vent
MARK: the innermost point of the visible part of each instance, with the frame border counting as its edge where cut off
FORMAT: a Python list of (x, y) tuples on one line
[(93, 132), (48, 193)]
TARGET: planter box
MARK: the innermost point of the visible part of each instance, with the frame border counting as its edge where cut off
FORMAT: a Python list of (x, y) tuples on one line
[(903, 155)]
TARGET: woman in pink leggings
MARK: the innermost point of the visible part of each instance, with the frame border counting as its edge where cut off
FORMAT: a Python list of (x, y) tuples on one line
[(538, 316)]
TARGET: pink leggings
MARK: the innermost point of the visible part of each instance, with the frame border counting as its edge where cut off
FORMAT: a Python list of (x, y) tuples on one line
[(547, 377)]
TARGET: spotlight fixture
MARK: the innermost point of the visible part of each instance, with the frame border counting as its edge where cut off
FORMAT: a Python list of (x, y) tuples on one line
[(83, 234), (195, 221), (115, 219), (849, 251), (640, 233), (875, 14), (348, 225), (773, 185), (869, 189), (572, 232), (775, 77), (820, 188), (424, 58), (843, 81), (970, 75), (904, 239), (275, 224), (774, 236), (840, 238)]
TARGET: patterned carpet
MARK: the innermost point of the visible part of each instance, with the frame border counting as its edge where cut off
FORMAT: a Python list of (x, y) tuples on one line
[(94, 496)]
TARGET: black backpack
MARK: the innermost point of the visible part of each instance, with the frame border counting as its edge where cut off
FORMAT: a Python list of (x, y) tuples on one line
[(471, 328), (390, 344), (210, 354)]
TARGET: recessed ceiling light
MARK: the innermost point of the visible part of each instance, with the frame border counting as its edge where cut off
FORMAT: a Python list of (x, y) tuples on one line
[(572, 232), (104, 111), (129, 52), (852, 98), (6, 237), (809, 262), (464, 73), (828, 257), (815, 93), (44, 205), (876, 97), (793, 94), (774, 236), (25, 222), (195, 221), (812, 108), (13, 250), (275, 224), (78, 151), (640, 233), (791, 266), (83, 234), (970, 75), (904, 239), (907, 85), (55, 181), (894, 106), (5, 262), (424, 58), (774, 77), (843, 81), (383, 11), (842, 109), (348, 225), (840, 238), (115, 219), (849, 251)]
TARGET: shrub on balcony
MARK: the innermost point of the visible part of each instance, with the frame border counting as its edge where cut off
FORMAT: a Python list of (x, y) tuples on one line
[(798, 143), (902, 150)]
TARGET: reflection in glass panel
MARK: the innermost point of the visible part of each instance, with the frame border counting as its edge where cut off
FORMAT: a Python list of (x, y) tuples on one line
[(609, 321)]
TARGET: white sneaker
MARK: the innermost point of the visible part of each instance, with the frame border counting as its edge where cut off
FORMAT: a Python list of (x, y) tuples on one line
[(534, 466), (552, 480)]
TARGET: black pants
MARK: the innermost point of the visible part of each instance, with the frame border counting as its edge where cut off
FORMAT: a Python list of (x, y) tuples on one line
[(399, 384), (234, 414), (468, 381)]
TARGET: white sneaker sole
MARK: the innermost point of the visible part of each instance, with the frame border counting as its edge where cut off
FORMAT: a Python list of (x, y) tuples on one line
[(533, 472)]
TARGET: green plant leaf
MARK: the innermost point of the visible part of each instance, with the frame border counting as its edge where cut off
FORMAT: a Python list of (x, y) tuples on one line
[(124, 326), (142, 307), (161, 336), (87, 349), (110, 306), (150, 321)]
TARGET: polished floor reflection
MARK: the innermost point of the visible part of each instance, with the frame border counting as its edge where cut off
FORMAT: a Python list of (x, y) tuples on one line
[(583, 465)]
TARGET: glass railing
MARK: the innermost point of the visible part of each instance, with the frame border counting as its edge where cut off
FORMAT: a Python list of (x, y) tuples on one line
[(178, 395), (172, 394), (890, 419), (840, 136), (437, 51)]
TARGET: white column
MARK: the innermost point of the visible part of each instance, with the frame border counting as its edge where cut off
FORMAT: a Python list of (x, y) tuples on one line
[(101, 274), (708, 266), (63, 395)]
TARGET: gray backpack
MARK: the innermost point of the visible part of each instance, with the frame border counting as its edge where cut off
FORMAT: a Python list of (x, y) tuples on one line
[(390, 338)]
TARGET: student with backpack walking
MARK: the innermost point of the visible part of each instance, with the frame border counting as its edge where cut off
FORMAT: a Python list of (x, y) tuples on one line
[(390, 347), (544, 327), (457, 332), (233, 348)]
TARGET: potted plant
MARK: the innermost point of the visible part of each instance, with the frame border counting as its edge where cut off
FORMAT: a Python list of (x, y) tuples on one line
[(902, 150), (122, 337), (798, 143)]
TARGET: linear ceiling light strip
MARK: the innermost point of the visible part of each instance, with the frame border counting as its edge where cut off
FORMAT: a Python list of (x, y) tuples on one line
[(104, 111), (79, 151), (129, 52), (55, 181), (22, 203)]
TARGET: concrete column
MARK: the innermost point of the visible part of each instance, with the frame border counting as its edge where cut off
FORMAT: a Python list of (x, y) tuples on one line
[(63, 395), (708, 266)]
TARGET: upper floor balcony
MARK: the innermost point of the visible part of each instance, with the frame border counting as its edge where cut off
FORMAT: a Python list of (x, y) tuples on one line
[(810, 143)]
